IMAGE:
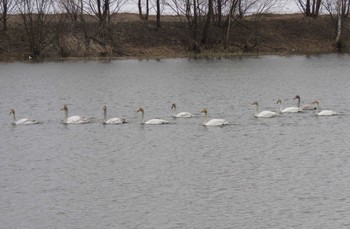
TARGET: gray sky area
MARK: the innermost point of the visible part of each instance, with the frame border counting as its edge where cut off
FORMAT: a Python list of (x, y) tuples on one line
[(282, 6)]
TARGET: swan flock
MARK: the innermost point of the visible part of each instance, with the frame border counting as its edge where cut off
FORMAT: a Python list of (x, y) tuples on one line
[(77, 119)]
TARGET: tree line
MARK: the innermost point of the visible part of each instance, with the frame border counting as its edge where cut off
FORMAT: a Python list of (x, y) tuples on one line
[(197, 15)]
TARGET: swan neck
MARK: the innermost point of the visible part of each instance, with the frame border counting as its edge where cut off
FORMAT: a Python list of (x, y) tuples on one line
[(205, 117), (104, 116), (142, 117), (298, 103), (13, 118), (257, 109), (174, 111), (65, 116)]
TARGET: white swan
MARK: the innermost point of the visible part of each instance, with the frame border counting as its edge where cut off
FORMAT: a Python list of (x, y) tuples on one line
[(324, 112), (111, 120), (181, 114), (155, 121), (212, 122), (263, 114), (76, 119), (291, 109), (23, 121)]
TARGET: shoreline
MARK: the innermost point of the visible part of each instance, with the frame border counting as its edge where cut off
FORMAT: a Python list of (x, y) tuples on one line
[(164, 57)]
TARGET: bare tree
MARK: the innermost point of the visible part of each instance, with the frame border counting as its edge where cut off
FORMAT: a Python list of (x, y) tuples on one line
[(102, 11), (140, 6), (238, 8), (200, 15), (310, 8), (6, 7), (193, 11), (36, 20), (71, 7), (335, 7), (338, 10)]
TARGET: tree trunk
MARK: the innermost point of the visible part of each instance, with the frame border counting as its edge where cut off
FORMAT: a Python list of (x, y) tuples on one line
[(158, 14), (338, 41), (4, 15), (143, 17), (140, 10), (207, 22), (219, 12), (147, 10)]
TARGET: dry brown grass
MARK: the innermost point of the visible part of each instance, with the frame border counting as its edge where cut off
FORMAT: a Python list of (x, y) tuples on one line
[(132, 37)]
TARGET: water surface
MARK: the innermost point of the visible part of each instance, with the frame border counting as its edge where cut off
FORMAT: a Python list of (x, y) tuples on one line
[(292, 171)]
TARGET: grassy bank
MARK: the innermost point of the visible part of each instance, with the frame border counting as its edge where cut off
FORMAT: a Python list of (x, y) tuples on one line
[(131, 37)]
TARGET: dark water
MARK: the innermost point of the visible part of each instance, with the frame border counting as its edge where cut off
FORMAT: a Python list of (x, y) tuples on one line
[(292, 171)]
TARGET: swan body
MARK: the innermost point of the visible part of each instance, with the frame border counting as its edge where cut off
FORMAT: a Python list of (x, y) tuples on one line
[(23, 121), (263, 114), (309, 107), (111, 120), (291, 109), (181, 114), (324, 112), (76, 119), (212, 122), (155, 121)]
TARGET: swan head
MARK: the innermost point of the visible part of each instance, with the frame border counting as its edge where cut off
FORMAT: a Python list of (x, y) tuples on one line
[(65, 108), (205, 111), (255, 103), (104, 108), (279, 101), (173, 106), (140, 110), (297, 97), (12, 111), (316, 102)]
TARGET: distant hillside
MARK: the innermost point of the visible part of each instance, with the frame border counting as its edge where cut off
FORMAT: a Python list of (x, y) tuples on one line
[(130, 37)]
